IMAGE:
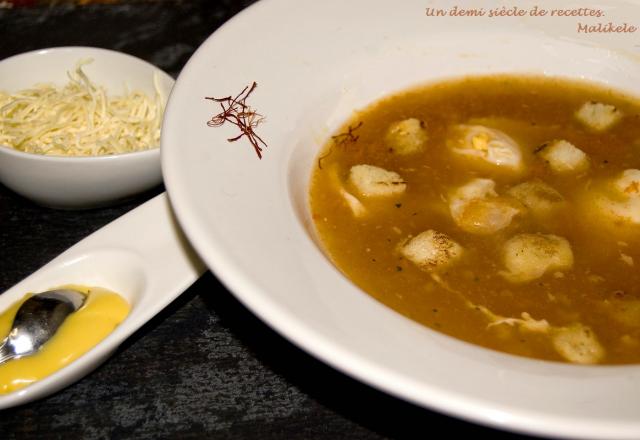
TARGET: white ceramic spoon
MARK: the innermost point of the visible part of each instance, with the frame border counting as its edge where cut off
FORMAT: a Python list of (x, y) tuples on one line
[(142, 255)]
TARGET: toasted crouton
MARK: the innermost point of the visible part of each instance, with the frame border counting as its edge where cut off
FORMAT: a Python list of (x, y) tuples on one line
[(538, 197), (529, 256), (578, 344), (618, 213), (564, 157), (371, 181), (598, 116), (431, 250), (622, 206), (475, 189), (476, 208), (629, 183), (407, 136), (486, 216)]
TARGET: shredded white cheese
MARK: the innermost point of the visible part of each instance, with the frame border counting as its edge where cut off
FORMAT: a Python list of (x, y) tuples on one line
[(79, 119)]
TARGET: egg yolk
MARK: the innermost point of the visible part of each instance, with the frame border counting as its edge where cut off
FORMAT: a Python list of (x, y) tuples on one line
[(101, 313)]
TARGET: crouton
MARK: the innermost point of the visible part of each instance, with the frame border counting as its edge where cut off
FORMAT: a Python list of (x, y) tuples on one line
[(578, 344), (619, 213), (484, 216), (488, 145), (407, 136), (538, 197), (626, 259), (431, 250), (621, 203), (598, 116), (564, 157), (475, 189), (629, 183), (476, 208), (371, 181), (529, 256)]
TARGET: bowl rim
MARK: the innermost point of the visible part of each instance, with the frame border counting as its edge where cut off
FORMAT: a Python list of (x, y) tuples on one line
[(54, 49), (202, 227)]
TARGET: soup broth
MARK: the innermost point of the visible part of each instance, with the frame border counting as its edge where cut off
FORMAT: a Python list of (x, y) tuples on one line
[(501, 210)]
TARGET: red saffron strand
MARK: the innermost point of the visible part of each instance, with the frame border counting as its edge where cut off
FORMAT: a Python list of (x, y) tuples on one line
[(348, 136), (237, 112), (342, 140)]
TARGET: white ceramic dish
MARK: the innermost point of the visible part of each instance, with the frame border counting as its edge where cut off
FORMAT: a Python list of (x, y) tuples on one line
[(248, 218), (142, 255), (80, 182)]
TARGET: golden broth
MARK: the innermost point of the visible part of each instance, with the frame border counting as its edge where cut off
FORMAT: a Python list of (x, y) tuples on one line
[(473, 299)]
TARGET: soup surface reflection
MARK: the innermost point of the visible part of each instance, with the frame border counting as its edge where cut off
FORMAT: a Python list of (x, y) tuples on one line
[(502, 210)]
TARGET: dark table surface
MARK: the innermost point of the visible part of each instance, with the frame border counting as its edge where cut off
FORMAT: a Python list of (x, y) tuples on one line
[(205, 366)]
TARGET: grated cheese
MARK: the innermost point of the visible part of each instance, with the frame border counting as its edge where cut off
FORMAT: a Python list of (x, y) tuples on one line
[(79, 119)]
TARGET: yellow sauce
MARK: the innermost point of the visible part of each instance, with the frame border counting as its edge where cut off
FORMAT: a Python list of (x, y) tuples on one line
[(100, 315)]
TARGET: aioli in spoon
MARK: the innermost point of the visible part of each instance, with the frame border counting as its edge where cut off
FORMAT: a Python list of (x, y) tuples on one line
[(81, 330)]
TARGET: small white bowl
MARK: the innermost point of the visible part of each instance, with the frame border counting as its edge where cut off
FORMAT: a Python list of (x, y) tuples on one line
[(80, 182)]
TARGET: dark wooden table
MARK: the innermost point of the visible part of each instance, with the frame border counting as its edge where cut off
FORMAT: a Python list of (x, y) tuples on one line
[(205, 366)]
